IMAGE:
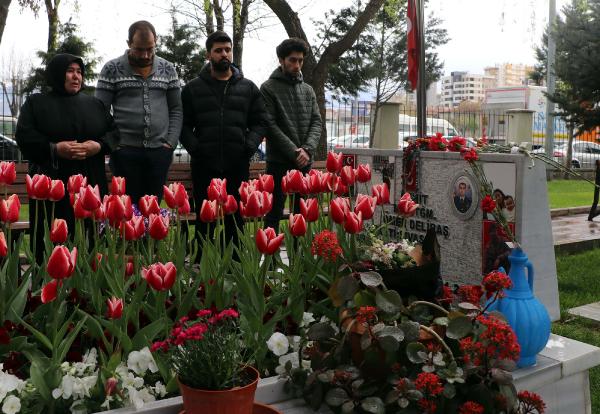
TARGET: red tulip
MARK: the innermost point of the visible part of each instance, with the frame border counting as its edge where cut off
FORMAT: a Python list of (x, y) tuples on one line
[(126, 200), (38, 187), (267, 241), (340, 188), (185, 208), (230, 206), (294, 183), (57, 190), (90, 197), (338, 207), (363, 173), (284, 185), (406, 206), (129, 269), (254, 206), (297, 225), (309, 208), (148, 204), (99, 214), (61, 263), (115, 209), (114, 308), (266, 182), (3, 245), (117, 185), (329, 181), (217, 190), (175, 195), (9, 209), (366, 205), (353, 223), (8, 173), (79, 211), (314, 182), (49, 291), (158, 226), (209, 211), (133, 229), (334, 162), (75, 183), (160, 276), (247, 188), (95, 263), (59, 231), (267, 204), (382, 193), (348, 175)]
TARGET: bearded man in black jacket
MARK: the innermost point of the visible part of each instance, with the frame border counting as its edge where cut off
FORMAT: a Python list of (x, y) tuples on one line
[(224, 121)]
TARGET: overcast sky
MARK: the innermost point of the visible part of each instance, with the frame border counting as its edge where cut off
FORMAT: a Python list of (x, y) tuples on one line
[(482, 32)]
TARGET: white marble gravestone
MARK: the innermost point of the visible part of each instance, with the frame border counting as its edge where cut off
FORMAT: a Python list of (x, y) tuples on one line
[(460, 232)]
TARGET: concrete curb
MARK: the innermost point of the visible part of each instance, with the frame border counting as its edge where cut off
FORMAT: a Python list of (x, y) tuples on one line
[(570, 211)]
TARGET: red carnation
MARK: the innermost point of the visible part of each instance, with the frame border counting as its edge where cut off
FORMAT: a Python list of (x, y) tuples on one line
[(488, 204)]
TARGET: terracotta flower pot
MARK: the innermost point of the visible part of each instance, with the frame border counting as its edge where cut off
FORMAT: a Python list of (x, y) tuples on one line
[(238, 400)]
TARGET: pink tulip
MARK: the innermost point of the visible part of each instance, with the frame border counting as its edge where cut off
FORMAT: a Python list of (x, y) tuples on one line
[(59, 231), (406, 206), (9, 209), (158, 226), (309, 208), (209, 211), (267, 241), (353, 223), (175, 195), (363, 173), (90, 197), (117, 186), (217, 190), (75, 183), (49, 291), (160, 276), (334, 162), (114, 308), (382, 193), (338, 207), (8, 172), (266, 182), (61, 263), (297, 225), (38, 186), (366, 205), (148, 204)]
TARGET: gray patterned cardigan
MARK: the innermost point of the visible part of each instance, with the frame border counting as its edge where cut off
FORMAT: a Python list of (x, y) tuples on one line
[(147, 111)]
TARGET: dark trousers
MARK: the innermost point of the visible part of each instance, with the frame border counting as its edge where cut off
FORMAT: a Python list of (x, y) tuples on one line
[(145, 170), (278, 171), (201, 178)]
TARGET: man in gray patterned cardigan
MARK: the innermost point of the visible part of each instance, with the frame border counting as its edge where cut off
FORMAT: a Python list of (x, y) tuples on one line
[(144, 93)]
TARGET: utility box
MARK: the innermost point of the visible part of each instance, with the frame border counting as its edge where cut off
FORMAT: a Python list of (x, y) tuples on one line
[(520, 126), (386, 128)]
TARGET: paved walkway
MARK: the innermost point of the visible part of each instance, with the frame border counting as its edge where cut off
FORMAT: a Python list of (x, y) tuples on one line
[(575, 233)]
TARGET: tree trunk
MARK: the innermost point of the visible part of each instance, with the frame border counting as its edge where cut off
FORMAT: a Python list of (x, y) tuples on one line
[(315, 73), (240, 21), (569, 158), (4, 4), (219, 15), (209, 23), (52, 13)]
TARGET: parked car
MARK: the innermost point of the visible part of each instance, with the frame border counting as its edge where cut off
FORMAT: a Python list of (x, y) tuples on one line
[(9, 150), (348, 141), (585, 153)]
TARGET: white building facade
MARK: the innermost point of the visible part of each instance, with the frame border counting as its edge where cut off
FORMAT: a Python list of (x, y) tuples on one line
[(464, 86)]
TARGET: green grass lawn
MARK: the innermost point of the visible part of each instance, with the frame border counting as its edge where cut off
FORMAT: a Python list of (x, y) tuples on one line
[(578, 285), (570, 193)]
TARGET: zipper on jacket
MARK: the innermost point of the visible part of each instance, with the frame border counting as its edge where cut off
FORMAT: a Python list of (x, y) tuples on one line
[(221, 123)]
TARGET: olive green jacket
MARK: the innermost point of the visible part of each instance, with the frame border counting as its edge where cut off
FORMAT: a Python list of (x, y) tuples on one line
[(294, 117)]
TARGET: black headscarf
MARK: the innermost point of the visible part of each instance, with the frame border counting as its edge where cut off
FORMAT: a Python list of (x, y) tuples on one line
[(56, 71)]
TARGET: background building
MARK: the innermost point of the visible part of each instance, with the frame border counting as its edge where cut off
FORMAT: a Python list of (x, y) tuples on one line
[(464, 86), (509, 74)]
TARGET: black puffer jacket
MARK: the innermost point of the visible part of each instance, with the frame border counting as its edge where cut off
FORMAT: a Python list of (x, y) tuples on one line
[(222, 126)]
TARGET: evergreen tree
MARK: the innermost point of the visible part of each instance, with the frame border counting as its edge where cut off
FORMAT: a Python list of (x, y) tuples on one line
[(69, 42), (182, 48)]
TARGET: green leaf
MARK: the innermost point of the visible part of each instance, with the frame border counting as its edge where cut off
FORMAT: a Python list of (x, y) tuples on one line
[(449, 391), (371, 279), (320, 331), (411, 330), (441, 321), (459, 327), (501, 376), (146, 335), (347, 287), (510, 393), (389, 343), (413, 352), (335, 397), (388, 301), (37, 373), (364, 298), (43, 339), (393, 331), (66, 343), (17, 302), (373, 405), (365, 340), (348, 407)]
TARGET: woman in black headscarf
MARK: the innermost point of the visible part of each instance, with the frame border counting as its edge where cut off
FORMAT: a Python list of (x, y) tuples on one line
[(63, 133)]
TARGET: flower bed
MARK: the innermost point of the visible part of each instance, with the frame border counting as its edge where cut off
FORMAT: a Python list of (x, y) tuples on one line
[(78, 325)]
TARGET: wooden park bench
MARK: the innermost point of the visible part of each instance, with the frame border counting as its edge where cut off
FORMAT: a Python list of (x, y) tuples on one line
[(178, 172)]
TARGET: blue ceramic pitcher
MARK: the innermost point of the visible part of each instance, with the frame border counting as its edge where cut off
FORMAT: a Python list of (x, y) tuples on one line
[(525, 314)]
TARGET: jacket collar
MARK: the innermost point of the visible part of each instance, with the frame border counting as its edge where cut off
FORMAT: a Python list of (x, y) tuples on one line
[(235, 76), (279, 75)]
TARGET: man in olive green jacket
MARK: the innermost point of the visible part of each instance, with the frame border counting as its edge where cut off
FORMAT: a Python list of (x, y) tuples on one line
[(295, 125)]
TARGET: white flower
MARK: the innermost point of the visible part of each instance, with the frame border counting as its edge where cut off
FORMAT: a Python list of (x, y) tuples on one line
[(278, 343), (295, 342), (292, 358), (307, 318), (9, 383), (11, 405), (160, 389), (139, 398), (91, 357), (130, 380), (141, 361)]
